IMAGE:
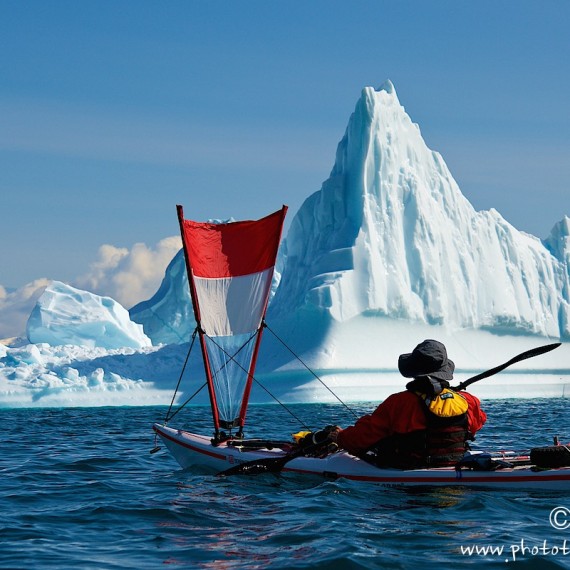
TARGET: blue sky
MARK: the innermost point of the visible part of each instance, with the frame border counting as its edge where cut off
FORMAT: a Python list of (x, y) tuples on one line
[(113, 112)]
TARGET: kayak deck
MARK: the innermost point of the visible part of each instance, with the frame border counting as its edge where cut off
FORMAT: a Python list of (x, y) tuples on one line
[(193, 450)]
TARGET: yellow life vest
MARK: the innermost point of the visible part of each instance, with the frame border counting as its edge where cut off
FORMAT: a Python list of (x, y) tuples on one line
[(447, 404)]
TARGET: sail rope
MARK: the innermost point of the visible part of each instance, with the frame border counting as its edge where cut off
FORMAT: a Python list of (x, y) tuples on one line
[(168, 416), (188, 400), (311, 371), (293, 415), (235, 354), (232, 358)]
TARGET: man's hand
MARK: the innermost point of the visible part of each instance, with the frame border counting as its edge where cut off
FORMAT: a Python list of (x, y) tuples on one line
[(333, 433)]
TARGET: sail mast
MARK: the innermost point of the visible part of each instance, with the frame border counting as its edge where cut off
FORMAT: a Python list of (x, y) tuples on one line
[(196, 307), (247, 391)]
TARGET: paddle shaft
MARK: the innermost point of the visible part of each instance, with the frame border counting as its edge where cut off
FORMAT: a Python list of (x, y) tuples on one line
[(270, 464), (523, 356)]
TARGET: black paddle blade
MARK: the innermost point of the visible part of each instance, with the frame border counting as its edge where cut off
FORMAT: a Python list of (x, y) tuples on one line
[(522, 356), (272, 464), (256, 467)]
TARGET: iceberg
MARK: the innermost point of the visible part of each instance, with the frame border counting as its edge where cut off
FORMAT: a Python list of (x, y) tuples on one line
[(65, 315), (391, 235), (168, 317), (40, 375)]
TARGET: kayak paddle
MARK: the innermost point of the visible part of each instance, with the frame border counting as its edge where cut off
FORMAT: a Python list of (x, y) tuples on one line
[(523, 356), (270, 464)]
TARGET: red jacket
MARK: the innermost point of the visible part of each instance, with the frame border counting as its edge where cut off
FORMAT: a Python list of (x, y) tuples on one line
[(399, 413)]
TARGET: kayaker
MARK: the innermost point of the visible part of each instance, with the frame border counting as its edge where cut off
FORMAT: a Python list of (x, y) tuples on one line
[(427, 425)]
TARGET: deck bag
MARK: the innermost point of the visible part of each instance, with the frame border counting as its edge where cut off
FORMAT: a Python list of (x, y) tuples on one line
[(551, 456), (478, 461)]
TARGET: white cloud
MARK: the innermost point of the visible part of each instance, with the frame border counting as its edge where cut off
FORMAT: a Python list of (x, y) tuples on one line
[(129, 276), (16, 306), (108, 260)]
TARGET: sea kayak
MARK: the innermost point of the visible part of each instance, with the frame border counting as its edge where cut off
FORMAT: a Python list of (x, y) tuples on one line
[(197, 451)]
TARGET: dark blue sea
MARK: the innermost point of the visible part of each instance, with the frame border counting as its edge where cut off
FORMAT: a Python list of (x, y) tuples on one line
[(80, 490)]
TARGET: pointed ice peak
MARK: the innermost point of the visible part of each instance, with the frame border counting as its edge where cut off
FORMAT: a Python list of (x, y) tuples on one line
[(376, 101), (387, 86), (391, 234), (383, 95)]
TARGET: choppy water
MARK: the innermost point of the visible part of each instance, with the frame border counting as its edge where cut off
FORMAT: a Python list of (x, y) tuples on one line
[(79, 489)]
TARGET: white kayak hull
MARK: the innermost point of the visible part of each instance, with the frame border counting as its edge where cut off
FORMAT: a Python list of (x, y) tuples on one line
[(193, 450)]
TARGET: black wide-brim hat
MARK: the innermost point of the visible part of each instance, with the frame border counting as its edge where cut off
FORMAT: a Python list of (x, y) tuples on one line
[(429, 358)]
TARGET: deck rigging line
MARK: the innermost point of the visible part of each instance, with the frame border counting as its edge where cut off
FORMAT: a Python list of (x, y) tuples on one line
[(301, 361), (187, 401), (254, 378), (196, 330), (168, 416)]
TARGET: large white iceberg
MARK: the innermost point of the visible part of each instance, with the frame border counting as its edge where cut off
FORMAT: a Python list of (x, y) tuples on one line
[(65, 315), (391, 235)]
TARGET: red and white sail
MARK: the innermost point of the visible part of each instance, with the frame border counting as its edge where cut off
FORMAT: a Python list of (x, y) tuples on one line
[(230, 269)]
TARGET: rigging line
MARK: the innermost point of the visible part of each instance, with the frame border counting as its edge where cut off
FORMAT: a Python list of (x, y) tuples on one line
[(237, 352), (188, 400), (257, 381), (282, 404), (168, 416), (299, 359)]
